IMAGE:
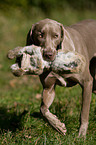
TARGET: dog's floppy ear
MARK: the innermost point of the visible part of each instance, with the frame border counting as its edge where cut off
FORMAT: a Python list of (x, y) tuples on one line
[(67, 43), (62, 36), (62, 31), (29, 40)]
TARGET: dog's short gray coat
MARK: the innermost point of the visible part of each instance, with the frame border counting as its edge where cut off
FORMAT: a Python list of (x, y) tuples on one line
[(81, 37)]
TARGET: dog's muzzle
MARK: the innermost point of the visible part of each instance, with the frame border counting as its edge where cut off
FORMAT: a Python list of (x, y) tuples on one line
[(49, 55)]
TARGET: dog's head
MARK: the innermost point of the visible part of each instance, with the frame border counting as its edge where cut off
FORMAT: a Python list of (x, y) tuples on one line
[(49, 35)]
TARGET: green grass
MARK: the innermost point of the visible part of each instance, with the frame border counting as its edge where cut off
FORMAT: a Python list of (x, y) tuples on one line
[(20, 119)]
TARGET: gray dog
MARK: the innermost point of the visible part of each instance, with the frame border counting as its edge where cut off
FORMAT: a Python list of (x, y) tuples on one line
[(81, 37)]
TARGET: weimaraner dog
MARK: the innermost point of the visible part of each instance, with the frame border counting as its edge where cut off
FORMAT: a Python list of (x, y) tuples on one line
[(81, 37)]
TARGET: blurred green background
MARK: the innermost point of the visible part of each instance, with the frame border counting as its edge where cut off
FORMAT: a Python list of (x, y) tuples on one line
[(20, 97)]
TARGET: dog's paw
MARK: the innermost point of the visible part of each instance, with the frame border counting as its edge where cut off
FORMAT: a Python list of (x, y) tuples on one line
[(83, 130), (54, 121), (61, 128)]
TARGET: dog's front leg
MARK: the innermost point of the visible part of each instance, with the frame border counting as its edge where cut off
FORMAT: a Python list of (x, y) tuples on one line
[(87, 92), (48, 97)]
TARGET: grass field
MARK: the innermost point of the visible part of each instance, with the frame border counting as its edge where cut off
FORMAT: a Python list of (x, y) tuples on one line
[(20, 120)]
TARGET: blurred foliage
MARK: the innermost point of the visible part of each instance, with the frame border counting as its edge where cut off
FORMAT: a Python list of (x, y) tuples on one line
[(49, 5)]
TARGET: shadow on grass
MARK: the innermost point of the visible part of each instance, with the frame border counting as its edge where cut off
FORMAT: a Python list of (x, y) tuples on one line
[(10, 121), (36, 115)]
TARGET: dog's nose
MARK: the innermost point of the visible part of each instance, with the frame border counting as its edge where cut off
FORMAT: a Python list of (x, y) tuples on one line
[(48, 55)]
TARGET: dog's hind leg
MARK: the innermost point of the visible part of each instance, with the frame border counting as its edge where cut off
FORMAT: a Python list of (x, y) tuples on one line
[(48, 97)]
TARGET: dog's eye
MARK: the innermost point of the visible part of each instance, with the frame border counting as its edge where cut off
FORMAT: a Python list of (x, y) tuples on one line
[(40, 35), (56, 36)]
